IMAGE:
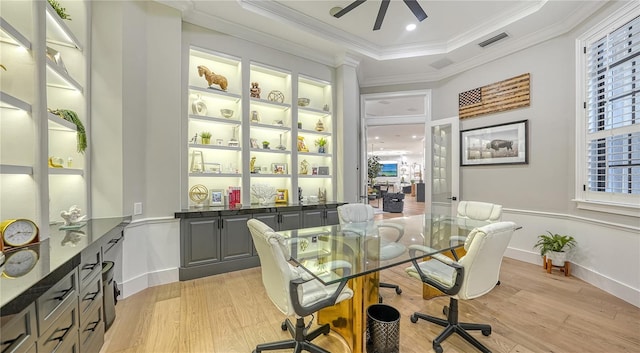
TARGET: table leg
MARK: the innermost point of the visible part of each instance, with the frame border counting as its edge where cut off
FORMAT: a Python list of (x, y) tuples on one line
[(349, 317)]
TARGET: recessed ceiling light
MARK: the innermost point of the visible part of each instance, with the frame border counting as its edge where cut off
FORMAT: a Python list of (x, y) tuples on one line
[(414, 136), (377, 137), (410, 27)]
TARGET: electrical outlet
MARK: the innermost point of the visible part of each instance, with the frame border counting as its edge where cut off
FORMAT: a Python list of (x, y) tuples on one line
[(137, 208)]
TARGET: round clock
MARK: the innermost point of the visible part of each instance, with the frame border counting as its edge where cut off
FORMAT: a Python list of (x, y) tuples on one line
[(20, 263), (18, 232)]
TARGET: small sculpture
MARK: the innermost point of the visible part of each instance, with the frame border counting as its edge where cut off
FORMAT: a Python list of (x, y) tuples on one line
[(322, 195), (194, 138), (264, 193), (212, 78), (255, 90), (252, 163), (72, 216), (301, 145), (276, 96), (300, 197), (319, 125), (304, 167)]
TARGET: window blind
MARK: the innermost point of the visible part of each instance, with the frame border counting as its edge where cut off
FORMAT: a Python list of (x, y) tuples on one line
[(613, 111)]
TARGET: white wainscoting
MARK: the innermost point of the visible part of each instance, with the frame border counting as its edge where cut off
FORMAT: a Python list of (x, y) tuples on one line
[(607, 255), (151, 254)]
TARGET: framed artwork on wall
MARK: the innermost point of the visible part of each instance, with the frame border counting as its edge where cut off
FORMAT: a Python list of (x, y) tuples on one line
[(496, 144)]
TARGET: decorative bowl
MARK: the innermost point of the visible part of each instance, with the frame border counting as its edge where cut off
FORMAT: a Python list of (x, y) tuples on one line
[(227, 113), (303, 102)]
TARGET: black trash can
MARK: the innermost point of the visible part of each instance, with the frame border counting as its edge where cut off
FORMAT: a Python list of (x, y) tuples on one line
[(383, 329), (108, 294)]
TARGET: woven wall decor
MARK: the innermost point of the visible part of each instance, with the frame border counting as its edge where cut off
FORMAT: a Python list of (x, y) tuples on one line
[(497, 97)]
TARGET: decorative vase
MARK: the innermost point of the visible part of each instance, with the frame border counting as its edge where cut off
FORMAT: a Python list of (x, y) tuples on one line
[(321, 149), (557, 257)]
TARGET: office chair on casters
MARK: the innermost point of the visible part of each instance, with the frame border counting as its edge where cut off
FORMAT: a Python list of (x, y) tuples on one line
[(293, 290), (474, 275), (361, 213)]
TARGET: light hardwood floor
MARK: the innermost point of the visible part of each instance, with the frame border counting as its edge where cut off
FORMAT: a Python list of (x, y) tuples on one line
[(530, 312)]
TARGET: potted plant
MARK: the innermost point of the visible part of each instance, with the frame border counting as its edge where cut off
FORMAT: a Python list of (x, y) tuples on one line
[(206, 137), (321, 143), (373, 168), (555, 247), (265, 145)]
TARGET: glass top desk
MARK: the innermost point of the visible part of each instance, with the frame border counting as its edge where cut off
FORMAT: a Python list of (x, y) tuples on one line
[(358, 246)]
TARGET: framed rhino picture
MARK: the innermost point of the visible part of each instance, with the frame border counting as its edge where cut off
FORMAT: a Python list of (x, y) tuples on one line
[(495, 144)]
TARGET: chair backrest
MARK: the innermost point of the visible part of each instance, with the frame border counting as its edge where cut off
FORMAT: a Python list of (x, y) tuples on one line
[(480, 211), (276, 270), (355, 213), (485, 248)]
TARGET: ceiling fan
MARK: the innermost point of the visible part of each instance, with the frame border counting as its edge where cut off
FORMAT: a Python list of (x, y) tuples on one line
[(412, 4)]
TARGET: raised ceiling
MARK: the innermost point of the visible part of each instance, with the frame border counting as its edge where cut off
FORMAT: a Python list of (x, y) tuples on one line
[(442, 45)]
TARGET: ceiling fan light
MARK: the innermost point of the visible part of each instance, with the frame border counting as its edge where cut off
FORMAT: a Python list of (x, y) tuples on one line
[(410, 27)]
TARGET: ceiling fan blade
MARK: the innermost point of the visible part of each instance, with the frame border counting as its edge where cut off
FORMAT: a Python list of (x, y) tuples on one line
[(416, 9), (383, 11), (351, 6)]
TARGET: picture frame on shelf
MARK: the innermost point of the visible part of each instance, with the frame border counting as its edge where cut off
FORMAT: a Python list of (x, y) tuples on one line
[(215, 168), (323, 170), (254, 143), (495, 144), (282, 196), (279, 168), (314, 170), (217, 198)]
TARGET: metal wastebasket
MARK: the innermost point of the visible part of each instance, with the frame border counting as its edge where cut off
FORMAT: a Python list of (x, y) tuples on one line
[(108, 294), (383, 329)]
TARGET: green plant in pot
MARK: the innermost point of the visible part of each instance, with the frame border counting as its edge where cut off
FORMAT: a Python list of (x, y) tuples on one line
[(265, 145), (555, 247), (373, 169), (322, 144), (206, 137)]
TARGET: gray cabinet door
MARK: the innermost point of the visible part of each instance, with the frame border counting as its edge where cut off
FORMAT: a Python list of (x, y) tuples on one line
[(200, 241), (236, 238), (331, 217), (270, 219), (289, 220), (312, 218)]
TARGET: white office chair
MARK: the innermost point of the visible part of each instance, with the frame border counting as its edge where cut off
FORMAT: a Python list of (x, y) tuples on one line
[(361, 213), (293, 290), (474, 275), (472, 212)]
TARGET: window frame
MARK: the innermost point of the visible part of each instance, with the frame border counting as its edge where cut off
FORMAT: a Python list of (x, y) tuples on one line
[(617, 203)]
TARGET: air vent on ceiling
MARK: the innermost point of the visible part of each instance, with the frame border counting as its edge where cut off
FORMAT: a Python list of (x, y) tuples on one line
[(441, 63), (494, 39)]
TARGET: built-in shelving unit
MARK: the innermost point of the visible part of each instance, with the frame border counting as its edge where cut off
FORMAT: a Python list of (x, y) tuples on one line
[(66, 77), (46, 68), (264, 125), (18, 125)]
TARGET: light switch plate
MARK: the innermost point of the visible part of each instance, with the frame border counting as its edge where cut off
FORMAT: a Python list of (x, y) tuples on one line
[(137, 208)]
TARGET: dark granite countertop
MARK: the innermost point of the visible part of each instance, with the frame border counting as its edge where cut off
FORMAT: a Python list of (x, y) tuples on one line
[(214, 211), (56, 256)]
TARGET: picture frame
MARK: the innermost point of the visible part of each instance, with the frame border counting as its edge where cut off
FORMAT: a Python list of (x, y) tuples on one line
[(323, 170), (495, 144), (279, 168), (215, 168), (282, 196), (254, 143), (217, 198)]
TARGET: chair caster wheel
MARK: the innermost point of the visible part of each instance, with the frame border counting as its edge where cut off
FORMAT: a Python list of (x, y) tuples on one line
[(497, 284), (398, 290), (486, 332), (445, 311), (414, 318), (437, 348), (283, 326)]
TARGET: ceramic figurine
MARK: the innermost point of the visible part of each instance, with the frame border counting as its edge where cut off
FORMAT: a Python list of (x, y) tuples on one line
[(212, 78), (72, 216), (255, 90), (319, 125)]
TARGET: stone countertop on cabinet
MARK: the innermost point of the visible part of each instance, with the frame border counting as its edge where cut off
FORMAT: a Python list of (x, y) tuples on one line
[(214, 211), (56, 257)]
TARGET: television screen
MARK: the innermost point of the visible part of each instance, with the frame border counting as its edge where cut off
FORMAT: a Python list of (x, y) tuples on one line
[(388, 170)]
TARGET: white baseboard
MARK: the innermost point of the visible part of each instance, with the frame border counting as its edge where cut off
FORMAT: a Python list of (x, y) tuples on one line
[(609, 285), (144, 281)]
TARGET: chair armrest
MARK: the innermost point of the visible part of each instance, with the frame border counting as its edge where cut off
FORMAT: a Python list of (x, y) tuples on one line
[(308, 310), (446, 260), (395, 226)]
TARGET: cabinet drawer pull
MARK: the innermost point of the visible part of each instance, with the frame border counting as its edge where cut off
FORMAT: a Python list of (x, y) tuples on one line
[(63, 336), (63, 296), (90, 266), (91, 296), (95, 325), (12, 343)]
